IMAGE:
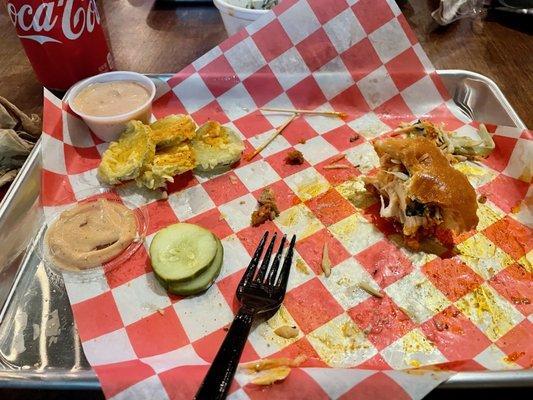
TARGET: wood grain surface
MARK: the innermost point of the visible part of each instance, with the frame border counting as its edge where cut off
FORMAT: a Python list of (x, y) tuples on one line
[(151, 36)]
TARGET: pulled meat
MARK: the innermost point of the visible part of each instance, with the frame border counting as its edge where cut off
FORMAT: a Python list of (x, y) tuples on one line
[(294, 157), (267, 208)]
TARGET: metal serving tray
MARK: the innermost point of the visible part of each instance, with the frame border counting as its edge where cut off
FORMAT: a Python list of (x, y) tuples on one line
[(39, 346)]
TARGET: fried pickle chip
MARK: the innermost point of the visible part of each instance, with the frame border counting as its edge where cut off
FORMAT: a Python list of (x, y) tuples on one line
[(216, 146), (172, 130), (124, 160), (167, 163)]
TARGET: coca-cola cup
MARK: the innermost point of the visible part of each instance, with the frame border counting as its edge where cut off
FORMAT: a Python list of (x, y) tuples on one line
[(63, 39), (109, 128)]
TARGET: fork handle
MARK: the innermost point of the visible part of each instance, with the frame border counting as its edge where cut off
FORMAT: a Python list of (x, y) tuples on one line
[(216, 383)]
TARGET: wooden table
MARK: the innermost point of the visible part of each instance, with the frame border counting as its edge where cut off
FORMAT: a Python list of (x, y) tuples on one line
[(147, 36)]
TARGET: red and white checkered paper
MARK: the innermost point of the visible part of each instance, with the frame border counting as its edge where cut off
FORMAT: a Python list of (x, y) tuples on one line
[(469, 312)]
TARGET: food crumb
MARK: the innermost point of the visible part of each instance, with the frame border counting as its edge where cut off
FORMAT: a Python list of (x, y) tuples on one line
[(326, 262), (242, 202), (294, 157), (354, 137), (233, 179), (267, 210), (161, 311), (516, 208), (300, 266), (482, 199), (287, 332), (221, 217), (302, 141), (514, 356)]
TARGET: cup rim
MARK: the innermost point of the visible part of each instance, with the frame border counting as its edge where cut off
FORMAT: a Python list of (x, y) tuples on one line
[(132, 76), (240, 9)]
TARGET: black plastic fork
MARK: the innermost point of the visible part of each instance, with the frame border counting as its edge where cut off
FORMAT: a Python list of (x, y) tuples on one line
[(258, 293)]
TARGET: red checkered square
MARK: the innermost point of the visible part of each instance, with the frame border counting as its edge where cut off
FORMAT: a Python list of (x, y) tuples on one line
[(207, 347), (181, 182), (511, 236), (405, 69), (52, 119), (517, 344), (317, 50), (337, 176), (96, 316), (384, 262), (306, 94), (377, 363), (114, 378), (133, 267), (352, 102), (210, 112), (250, 236), (56, 189), (385, 225), (372, 14), (452, 277), (253, 124), (80, 159), (312, 246), (505, 192), (311, 305), (214, 221), (515, 283), (166, 105), (228, 288), (263, 86), (277, 161), (361, 59), (394, 111), (384, 320), (330, 207), (450, 121), (224, 188), (158, 333), (285, 197), (377, 386), (269, 48), (341, 137), (297, 382), (233, 40), (180, 76), (219, 76), (440, 86), (454, 335), (301, 347), (160, 215), (499, 158), (284, 6), (298, 131), (326, 10)]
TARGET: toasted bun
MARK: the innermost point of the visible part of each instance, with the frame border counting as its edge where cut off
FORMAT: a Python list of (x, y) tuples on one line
[(433, 180)]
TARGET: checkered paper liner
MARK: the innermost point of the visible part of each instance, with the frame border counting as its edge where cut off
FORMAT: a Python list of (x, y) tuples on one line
[(468, 312)]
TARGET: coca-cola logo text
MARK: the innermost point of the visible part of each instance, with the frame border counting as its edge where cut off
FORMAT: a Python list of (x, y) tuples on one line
[(40, 23)]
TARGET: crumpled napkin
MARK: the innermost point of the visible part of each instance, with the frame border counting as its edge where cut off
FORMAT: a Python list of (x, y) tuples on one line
[(452, 10), (18, 134)]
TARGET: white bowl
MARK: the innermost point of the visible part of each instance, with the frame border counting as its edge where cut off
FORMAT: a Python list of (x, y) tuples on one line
[(109, 128), (235, 16)]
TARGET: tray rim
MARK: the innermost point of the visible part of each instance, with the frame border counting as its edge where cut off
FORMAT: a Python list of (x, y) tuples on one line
[(87, 379)]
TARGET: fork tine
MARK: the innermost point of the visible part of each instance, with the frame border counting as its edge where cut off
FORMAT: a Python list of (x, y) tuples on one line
[(286, 268), (249, 273), (275, 265), (266, 260)]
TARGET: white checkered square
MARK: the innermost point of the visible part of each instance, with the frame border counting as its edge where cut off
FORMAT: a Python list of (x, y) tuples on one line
[(509, 131), (150, 388), (333, 78), (85, 184), (193, 93), (422, 97), (521, 162), (488, 213), (277, 119), (389, 40), (355, 233), (75, 132), (140, 298), (236, 101), (307, 184), (337, 381), (344, 30), (369, 125), (298, 220), (257, 175), (299, 21), (185, 355), (190, 202), (412, 350), (110, 348), (289, 68), (494, 359), (133, 194), (343, 283), (420, 299), (350, 343), (237, 212), (245, 58), (477, 174), (363, 156), (277, 145), (300, 272), (79, 288), (377, 87), (55, 163), (202, 315), (235, 256), (260, 23), (316, 150), (205, 59)]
